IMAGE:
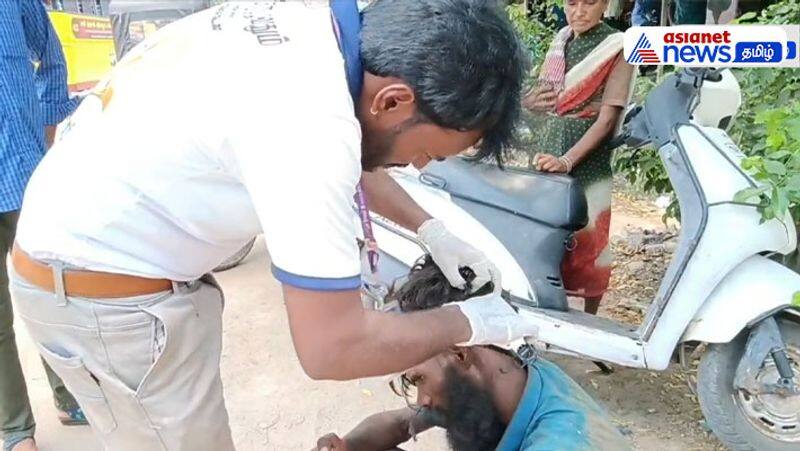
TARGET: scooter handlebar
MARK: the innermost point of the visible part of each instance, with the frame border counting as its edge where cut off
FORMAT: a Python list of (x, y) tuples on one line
[(675, 102)]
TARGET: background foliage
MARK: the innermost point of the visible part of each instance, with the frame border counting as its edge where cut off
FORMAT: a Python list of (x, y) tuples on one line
[(536, 32), (768, 127)]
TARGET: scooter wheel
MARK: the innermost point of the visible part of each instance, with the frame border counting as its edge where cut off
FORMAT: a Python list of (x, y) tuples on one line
[(745, 421), (236, 258)]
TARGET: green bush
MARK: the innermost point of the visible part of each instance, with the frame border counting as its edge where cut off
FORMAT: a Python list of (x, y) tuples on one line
[(536, 35), (777, 164), (768, 125), (781, 13)]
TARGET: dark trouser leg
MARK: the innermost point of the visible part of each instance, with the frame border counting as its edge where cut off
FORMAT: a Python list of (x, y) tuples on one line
[(16, 418), (690, 12), (63, 398), (592, 305)]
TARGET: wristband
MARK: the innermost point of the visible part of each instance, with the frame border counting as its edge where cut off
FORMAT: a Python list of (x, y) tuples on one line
[(566, 161)]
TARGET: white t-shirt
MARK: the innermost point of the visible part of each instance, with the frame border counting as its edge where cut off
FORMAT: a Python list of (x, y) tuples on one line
[(230, 122)]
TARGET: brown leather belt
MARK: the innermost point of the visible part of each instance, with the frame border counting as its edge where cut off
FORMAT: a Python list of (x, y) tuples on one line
[(86, 284)]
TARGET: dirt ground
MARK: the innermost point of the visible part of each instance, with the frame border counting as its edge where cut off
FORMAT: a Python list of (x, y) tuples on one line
[(274, 406)]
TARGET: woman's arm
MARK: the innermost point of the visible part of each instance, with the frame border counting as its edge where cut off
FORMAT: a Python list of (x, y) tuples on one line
[(615, 98), (616, 95), (589, 142), (597, 134)]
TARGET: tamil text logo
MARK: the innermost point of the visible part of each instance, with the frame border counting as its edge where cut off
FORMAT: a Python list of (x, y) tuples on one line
[(714, 46)]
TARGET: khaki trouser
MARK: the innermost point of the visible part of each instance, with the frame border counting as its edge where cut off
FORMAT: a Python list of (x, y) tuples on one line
[(16, 417), (145, 369)]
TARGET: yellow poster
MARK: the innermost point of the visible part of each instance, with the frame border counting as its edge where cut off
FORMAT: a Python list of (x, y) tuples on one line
[(88, 47)]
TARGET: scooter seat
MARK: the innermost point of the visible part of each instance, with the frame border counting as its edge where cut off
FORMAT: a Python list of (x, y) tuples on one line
[(554, 200)]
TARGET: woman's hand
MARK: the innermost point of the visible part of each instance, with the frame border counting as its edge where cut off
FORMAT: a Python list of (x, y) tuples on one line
[(541, 98), (550, 163)]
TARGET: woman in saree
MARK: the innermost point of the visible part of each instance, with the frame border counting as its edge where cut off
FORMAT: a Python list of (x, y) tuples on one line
[(582, 90)]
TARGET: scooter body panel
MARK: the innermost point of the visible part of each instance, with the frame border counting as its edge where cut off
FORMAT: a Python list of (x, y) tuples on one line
[(586, 335), (533, 214), (716, 160), (718, 235), (757, 287), (439, 204)]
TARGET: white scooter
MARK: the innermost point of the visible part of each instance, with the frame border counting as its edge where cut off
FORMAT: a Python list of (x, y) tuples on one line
[(721, 287)]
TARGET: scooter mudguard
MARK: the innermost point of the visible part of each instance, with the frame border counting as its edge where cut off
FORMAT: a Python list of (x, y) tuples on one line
[(756, 288)]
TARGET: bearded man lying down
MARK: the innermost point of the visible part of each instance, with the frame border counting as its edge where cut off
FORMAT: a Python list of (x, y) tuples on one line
[(485, 397)]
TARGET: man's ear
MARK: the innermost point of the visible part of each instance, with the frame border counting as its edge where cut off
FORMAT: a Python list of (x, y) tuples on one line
[(393, 98), (462, 356)]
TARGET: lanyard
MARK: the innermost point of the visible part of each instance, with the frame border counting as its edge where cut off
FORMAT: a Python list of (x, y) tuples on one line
[(347, 24), (366, 226)]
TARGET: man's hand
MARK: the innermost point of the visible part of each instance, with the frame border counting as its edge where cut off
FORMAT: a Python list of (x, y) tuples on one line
[(387, 198), (494, 321), (331, 442), (381, 431), (451, 253)]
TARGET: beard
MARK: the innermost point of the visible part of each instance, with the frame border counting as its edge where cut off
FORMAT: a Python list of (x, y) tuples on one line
[(376, 149), (471, 418)]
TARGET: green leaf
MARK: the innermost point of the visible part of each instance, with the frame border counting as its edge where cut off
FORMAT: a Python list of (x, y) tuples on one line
[(794, 182), (776, 140), (793, 128), (775, 167), (796, 299), (777, 155), (780, 201), (746, 17), (768, 213), (749, 193)]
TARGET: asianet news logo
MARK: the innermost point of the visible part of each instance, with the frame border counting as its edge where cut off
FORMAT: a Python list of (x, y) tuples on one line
[(720, 46)]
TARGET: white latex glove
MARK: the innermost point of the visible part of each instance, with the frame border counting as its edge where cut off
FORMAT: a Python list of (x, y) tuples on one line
[(493, 321), (451, 253)]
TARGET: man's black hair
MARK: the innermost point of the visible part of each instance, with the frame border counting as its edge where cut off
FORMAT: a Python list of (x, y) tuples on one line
[(427, 288), (471, 417), (462, 58)]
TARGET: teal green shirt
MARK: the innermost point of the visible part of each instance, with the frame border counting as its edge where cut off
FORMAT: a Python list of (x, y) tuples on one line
[(556, 414)]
